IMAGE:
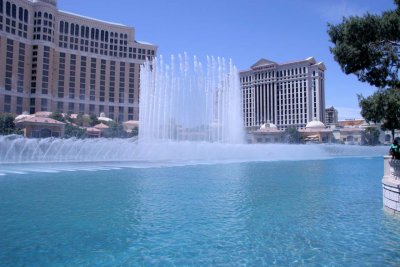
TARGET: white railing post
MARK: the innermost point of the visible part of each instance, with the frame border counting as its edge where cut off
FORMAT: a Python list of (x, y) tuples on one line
[(386, 167)]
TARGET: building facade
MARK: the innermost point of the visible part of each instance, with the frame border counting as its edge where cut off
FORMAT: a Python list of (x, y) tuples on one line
[(288, 94), (331, 116), (53, 60)]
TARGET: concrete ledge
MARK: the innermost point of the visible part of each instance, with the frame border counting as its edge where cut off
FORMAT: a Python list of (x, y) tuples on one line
[(390, 211), (391, 185)]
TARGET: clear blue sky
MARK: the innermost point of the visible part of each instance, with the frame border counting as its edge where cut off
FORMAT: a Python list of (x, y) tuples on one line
[(244, 30)]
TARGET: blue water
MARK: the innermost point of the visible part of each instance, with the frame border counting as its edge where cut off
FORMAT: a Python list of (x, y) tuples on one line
[(300, 213)]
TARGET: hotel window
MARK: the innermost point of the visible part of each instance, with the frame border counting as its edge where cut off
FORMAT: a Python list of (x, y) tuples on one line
[(102, 80), (122, 82), (130, 113), (112, 82), (20, 13), (61, 76), (60, 106), (9, 64), (7, 103), (14, 11), (71, 93), (82, 78), (46, 68), (71, 107), (93, 79), (32, 104), (91, 109), (43, 104), (121, 114), (21, 60), (131, 83), (19, 105), (8, 9), (111, 112), (72, 29)]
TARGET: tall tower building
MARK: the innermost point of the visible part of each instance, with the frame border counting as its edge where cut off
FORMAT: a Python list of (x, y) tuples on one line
[(288, 94), (331, 116), (54, 60)]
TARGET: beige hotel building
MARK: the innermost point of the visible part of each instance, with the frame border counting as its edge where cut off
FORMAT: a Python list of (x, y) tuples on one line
[(54, 60), (288, 94)]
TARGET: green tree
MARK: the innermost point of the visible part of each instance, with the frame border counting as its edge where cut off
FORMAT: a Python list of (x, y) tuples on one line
[(135, 131), (79, 119), (58, 116), (115, 130), (93, 120), (74, 131), (382, 107), (368, 47), (371, 136), (292, 135), (7, 125)]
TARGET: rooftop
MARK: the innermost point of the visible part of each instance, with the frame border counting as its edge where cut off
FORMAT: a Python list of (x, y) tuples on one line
[(98, 20), (32, 119)]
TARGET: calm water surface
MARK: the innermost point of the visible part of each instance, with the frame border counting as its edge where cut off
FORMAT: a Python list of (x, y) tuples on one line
[(302, 213)]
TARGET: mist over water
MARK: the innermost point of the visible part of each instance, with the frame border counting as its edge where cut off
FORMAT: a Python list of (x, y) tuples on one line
[(15, 149)]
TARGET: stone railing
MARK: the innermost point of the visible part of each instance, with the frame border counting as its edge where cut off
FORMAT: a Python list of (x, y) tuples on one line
[(391, 185)]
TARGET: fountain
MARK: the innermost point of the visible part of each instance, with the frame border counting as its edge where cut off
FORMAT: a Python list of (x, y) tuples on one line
[(184, 103)]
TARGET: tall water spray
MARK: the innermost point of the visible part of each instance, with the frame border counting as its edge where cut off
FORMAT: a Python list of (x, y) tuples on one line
[(182, 101)]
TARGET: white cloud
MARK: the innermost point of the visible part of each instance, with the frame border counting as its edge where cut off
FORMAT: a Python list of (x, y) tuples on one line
[(348, 113)]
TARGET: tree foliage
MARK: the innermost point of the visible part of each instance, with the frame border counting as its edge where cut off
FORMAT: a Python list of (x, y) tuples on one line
[(292, 135), (115, 130), (368, 47), (93, 120), (58, 116), (382, 107), (70, 129), (371, 136), (74, 131), (7, 125)]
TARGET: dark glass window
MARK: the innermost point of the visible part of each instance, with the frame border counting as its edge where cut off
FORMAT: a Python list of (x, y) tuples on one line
[(1, 6), (61, 26), (14, 11), (26, 16), (20, 13), (8, 8), (66, 27)]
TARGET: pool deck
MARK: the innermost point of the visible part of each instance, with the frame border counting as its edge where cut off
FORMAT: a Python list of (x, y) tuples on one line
[(391, 185)]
